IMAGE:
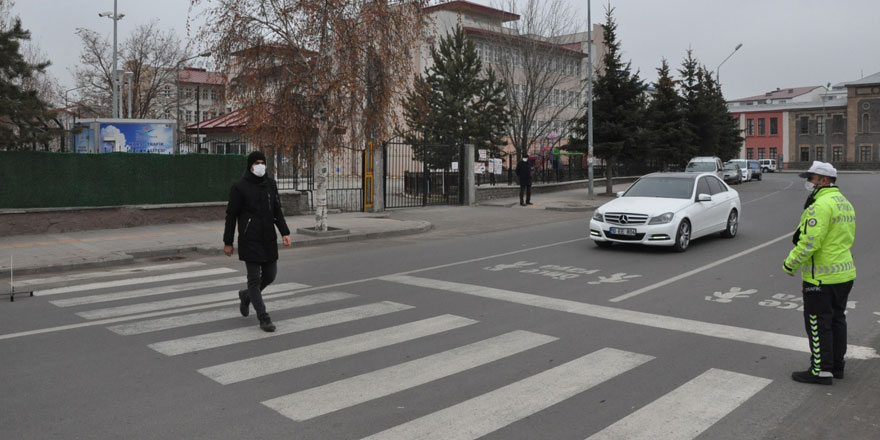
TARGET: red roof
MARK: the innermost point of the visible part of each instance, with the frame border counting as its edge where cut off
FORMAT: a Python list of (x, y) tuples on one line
[(223, 123), (463, 6), (200, 76), (574, 48)]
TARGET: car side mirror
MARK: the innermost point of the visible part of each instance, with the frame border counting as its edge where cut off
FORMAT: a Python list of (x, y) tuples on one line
[(704, 198), (620, 194)]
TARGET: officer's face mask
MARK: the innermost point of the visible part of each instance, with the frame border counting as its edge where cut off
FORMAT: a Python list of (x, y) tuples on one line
[(809, 186), (259, 170)]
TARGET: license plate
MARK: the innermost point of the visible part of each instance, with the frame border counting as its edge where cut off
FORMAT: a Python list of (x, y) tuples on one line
[(623, 231)]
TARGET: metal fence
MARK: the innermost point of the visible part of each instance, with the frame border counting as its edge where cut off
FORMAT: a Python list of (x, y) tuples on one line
[(293, 170), (564, 167), (409, 182)]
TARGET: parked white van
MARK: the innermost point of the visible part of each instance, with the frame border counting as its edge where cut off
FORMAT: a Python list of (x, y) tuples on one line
[(706, 164), (768, 165)]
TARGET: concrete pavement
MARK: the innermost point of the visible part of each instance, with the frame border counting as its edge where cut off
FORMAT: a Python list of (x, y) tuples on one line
[(97, 248)]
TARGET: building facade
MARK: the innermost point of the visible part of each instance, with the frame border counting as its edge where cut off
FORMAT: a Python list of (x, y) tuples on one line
[(796, 126)]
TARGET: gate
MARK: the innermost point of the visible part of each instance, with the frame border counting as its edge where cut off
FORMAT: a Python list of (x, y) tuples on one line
[(345, 190), (411, 182)]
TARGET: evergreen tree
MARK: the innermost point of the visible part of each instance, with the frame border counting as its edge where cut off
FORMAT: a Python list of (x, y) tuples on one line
[(454, 102), (727, 132), (689, 90), (668, 125), (618, 108), (24, 118)]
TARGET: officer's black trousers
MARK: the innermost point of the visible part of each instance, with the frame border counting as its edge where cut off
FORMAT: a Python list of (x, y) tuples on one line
[(825, 322)]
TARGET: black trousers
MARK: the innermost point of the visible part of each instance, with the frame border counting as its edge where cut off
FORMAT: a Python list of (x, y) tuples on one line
[(259, 276), (825, 322), (527, 190)]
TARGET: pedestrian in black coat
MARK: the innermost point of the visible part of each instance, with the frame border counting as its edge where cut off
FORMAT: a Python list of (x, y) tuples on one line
[(254, 204), (524, 173)]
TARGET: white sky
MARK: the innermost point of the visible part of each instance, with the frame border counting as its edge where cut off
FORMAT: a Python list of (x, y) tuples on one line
[(786, 43)]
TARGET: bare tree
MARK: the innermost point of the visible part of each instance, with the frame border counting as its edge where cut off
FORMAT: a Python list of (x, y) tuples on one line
[(151, 54), (304, 71), (540, 59)]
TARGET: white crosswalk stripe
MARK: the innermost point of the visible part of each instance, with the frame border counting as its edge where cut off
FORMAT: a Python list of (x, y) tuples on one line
[(341, 394), (688, 410), (107, 273), (151, 291), (287, 326), (133, 281), (132, 309), (494, 410), (153, 325), (277, 362), (728, 332)]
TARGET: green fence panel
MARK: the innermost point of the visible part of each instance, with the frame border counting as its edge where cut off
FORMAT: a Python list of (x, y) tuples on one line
[(30, 179)]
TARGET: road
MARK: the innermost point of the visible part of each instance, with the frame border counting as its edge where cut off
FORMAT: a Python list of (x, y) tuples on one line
[(525, 333)]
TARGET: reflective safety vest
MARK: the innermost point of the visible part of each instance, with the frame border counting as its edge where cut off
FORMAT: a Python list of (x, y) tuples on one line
[(824, 237)]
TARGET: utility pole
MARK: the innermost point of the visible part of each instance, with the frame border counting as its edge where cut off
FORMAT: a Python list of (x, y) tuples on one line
[(591, 194)]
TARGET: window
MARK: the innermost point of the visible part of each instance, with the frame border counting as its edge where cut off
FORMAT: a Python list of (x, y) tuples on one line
[(205, 116), (703, 186), (761, 152), (189, 116), (205, 94), (866, 123), (820, 154), (820, 124), (715, 185), (837, 154), (761, 127), (750, 127), (837, 120), (805, 154), (187, 93), (865, 153), (213, 94), (750, 153), (773, 154), (774, 126), (805, 125)]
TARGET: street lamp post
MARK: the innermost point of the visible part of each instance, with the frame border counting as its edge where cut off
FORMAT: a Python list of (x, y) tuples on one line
[(73, 124), (591, 193), (825, 123), (718, 70), (116, 17)]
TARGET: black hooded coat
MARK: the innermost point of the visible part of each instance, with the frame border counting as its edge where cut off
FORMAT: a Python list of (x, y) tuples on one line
[(255, 205)]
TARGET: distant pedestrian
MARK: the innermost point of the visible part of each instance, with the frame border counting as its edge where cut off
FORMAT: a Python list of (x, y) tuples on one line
[(254, 204), (524, 173), (822, 242)]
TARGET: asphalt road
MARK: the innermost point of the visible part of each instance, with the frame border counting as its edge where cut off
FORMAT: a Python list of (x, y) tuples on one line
[(531, 332)]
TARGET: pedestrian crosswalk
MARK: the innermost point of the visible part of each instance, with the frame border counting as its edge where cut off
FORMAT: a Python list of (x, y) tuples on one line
[(369, 325)]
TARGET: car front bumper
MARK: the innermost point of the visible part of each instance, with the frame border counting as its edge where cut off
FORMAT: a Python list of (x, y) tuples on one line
[(650, 235)]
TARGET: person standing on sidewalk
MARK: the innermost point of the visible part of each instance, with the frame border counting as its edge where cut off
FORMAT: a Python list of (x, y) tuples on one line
[(254, 204), (524, 173), (822, 242)]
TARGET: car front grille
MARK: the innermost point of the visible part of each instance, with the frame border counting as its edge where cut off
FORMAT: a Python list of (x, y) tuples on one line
[(624, 218)]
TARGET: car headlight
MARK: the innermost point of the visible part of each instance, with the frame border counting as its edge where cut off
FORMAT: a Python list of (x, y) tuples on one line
[(598, 217), (662, 218)]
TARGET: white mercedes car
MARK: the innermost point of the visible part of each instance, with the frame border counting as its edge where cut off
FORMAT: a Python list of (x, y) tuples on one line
[(668, 209)]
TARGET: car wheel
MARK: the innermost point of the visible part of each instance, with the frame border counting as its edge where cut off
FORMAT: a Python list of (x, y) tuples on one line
[(604, 244), (732, 225), (682, 237)]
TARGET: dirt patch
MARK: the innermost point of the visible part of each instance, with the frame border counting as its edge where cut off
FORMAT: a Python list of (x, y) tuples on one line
[(67, 220)]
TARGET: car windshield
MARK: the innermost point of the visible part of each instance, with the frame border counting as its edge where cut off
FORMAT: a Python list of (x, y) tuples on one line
[(701, 166), (665, 187), (729, 166)]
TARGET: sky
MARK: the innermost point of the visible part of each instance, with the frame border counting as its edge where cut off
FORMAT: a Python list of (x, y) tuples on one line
[(785, 43)]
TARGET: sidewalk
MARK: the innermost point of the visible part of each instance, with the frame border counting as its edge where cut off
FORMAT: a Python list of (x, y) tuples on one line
[(99, 248)]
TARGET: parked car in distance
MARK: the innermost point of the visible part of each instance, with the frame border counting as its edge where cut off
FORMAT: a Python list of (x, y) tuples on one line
[(706, 164), (668, 209), (744, 166), (733, 173), (768, 165), (755, 168)]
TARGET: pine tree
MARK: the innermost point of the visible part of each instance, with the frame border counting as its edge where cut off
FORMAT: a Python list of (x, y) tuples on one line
[(618, 108), (668, 126), (454, 102), (24, 118), (689, 90)]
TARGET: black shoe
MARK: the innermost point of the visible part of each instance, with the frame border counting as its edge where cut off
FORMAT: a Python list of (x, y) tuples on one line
[(838, 370), (244, 307), (838, 374), (809, 377), (266, 325), (528, 203)]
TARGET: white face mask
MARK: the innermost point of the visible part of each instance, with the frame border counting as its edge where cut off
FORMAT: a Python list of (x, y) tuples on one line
[(525, 159), (259, 170), (809, 186)]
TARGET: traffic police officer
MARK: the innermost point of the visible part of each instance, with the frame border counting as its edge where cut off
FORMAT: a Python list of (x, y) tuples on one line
[(822, 251)]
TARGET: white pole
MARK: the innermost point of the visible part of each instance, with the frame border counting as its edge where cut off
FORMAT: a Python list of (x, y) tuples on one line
[(591, 193), (115, 80)]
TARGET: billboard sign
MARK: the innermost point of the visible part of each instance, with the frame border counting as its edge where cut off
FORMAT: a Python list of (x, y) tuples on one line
[(136, 137)]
